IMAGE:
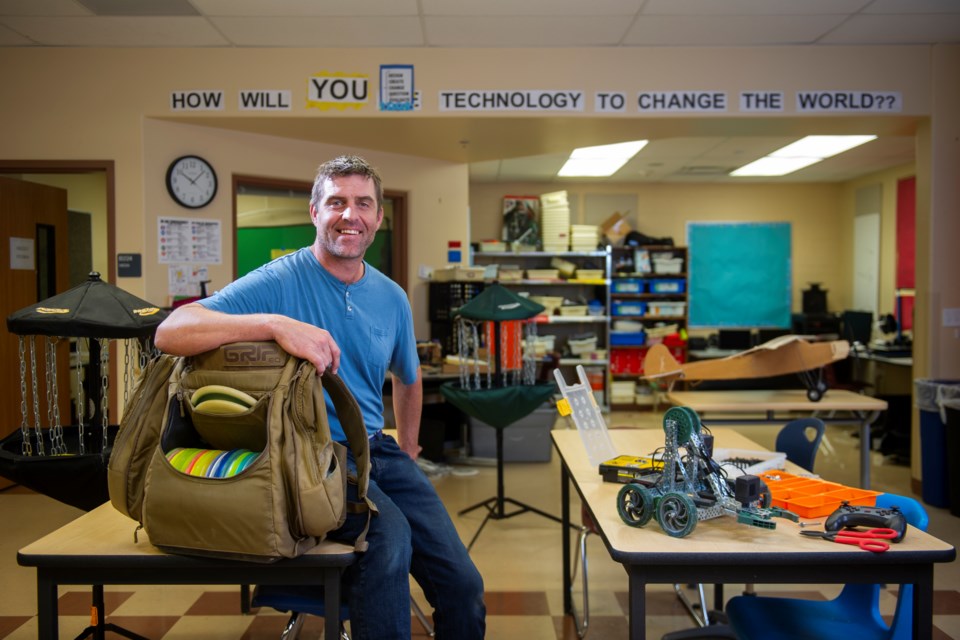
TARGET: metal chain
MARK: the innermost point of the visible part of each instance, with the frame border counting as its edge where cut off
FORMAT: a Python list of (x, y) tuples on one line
[(57, 445), (81, 398), (104, 395), (36, 398), (126, 370), (25, 447)]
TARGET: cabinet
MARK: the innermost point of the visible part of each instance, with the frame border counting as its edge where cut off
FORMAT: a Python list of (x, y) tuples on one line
[(648, 304), (574, 288)]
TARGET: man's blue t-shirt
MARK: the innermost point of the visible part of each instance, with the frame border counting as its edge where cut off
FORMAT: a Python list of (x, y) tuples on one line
[(370, 320)]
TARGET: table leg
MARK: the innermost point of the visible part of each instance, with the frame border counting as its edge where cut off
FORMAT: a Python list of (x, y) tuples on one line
[(331, 596), (46, 607), (865, 446), (565, 539), (923, 603), (638, 605)]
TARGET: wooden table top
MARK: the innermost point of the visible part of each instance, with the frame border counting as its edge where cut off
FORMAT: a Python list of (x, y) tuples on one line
[(774, 400), (106, 533)]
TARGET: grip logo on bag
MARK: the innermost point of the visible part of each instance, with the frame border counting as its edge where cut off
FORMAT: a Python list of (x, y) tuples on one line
[(228, 453)]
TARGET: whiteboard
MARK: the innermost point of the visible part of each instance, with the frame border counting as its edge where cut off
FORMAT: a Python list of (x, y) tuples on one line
[(866, 262)]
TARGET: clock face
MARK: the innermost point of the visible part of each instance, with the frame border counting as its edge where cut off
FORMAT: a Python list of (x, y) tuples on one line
[(192, 182)]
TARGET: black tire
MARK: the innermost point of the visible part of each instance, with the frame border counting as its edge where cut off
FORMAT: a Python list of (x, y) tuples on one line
[(677, 514), (635, 505)]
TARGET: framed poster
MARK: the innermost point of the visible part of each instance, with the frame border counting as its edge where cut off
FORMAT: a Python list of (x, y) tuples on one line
[(521, 215)]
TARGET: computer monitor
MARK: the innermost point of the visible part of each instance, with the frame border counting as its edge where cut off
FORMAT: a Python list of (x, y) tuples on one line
[(734, 339), (857, 326)]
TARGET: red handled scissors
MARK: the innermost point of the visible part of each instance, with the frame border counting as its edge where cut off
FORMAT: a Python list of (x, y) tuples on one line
[(870, 540)]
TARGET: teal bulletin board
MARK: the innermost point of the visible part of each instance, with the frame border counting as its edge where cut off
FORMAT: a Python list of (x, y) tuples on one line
[(739, 274)]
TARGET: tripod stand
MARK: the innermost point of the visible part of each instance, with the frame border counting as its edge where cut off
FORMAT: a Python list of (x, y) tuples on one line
[(97, 630), (496, 505)]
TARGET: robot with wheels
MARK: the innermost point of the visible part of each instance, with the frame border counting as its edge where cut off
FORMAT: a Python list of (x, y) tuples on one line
[(692, 487)]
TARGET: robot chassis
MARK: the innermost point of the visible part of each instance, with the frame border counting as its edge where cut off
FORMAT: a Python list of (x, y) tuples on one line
[(691, 488)]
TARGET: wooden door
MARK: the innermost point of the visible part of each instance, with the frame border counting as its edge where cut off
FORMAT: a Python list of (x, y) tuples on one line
[(29, 210)]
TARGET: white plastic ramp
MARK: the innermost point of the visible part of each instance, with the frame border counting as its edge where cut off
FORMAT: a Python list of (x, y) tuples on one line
[(586, 415)]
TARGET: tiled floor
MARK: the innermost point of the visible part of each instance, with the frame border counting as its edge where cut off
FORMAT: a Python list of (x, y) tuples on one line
[(518, 557)]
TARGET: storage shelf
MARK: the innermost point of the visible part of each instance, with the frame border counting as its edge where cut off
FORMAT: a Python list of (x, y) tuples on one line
[(540, 254), (571, 319)]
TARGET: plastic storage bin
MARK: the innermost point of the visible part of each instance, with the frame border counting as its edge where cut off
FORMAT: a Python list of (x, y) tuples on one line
[(667, 285), (952, 411), (934, 459), (526, 440), (628, 308), (627, 338), (628, 285)]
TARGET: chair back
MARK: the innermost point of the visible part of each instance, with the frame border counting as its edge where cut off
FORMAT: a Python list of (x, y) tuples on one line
[(800, 440), (901, 628)]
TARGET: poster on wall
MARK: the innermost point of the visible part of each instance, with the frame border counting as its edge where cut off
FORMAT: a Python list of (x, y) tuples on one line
[(188, 240), (185, 280), (520, 219)]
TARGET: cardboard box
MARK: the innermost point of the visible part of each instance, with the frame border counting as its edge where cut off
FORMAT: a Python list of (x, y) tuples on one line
[(615, 228), (526, 440)]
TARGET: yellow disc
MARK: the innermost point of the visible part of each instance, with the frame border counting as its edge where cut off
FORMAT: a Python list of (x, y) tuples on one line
[(220, 392), (221, 407)]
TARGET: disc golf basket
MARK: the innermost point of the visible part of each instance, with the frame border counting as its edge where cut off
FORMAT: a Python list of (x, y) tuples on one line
[(69, 462), (496, 335)]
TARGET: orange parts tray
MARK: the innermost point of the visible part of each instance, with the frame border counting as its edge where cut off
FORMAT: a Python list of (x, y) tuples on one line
[(812, 497)]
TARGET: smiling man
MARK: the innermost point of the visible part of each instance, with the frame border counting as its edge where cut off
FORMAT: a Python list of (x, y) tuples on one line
[(324, 304)]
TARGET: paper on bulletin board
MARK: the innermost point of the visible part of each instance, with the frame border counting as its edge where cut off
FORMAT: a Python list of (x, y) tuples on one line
[(185, 279)]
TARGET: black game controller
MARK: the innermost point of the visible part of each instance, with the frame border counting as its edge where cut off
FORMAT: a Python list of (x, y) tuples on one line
[(848, 515)]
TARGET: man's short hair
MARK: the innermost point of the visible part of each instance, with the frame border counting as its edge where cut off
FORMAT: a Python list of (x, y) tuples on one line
[(343, 166)]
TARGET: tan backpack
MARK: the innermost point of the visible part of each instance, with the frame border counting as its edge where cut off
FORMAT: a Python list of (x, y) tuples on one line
[(292, 493)]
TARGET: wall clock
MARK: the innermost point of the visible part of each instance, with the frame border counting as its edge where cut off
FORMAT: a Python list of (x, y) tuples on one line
[(191, 182)]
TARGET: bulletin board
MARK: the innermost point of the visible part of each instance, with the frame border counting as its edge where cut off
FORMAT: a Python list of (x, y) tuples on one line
[(739, 274)]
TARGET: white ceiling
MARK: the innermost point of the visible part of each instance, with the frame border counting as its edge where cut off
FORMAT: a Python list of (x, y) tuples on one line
[(517, 23)]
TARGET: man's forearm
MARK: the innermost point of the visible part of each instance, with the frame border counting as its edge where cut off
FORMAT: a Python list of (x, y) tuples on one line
[(193, 329), (407, 405)]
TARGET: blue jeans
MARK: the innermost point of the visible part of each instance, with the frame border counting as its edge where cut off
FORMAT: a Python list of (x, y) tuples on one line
[(411, 535)]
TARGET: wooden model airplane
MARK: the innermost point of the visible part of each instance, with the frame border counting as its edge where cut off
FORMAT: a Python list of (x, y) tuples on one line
[(780, 356)]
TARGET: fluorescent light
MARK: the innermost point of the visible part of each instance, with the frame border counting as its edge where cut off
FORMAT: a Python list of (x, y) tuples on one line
[(800, 154), (820, 146), (771, 166), (600, 161)]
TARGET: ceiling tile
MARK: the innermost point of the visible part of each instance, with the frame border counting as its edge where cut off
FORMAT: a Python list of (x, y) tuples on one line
[(307, 7), (531, 8), (10, 38), (322, 32), (898, 29), (523, 31), (42, 8), (913, 6), (118, 31), (140, 8), (729, 30), (751, 7), (487, 171)]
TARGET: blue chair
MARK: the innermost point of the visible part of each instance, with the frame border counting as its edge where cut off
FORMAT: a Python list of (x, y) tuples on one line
[(800, 440), (855, 613), (301, 601)]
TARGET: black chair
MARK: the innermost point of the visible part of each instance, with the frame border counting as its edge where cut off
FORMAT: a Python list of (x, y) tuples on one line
[(301, 601)]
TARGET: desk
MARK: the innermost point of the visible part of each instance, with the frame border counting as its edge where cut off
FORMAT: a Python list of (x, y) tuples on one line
[(722, 551), (865, 410), (98, 548)]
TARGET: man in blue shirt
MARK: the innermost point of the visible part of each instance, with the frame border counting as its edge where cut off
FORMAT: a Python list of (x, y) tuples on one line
[(324, 304)]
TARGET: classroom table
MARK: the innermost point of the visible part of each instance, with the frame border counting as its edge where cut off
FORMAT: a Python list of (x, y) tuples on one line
[(98, 548), (863, 410), (720, 550)]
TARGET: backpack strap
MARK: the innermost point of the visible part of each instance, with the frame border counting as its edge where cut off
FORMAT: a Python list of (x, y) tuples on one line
[(351, 419)]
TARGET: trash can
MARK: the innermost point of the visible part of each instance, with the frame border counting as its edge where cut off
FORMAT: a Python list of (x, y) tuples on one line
[(952, 411), (929, 396)]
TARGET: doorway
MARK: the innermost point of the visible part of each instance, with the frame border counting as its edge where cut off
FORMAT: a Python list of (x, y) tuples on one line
[(271, 218)]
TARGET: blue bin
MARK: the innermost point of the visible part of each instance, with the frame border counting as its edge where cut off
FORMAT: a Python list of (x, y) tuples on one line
[(934, 465)]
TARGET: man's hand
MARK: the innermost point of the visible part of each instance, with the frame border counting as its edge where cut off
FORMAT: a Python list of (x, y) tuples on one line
[(308, 342)]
